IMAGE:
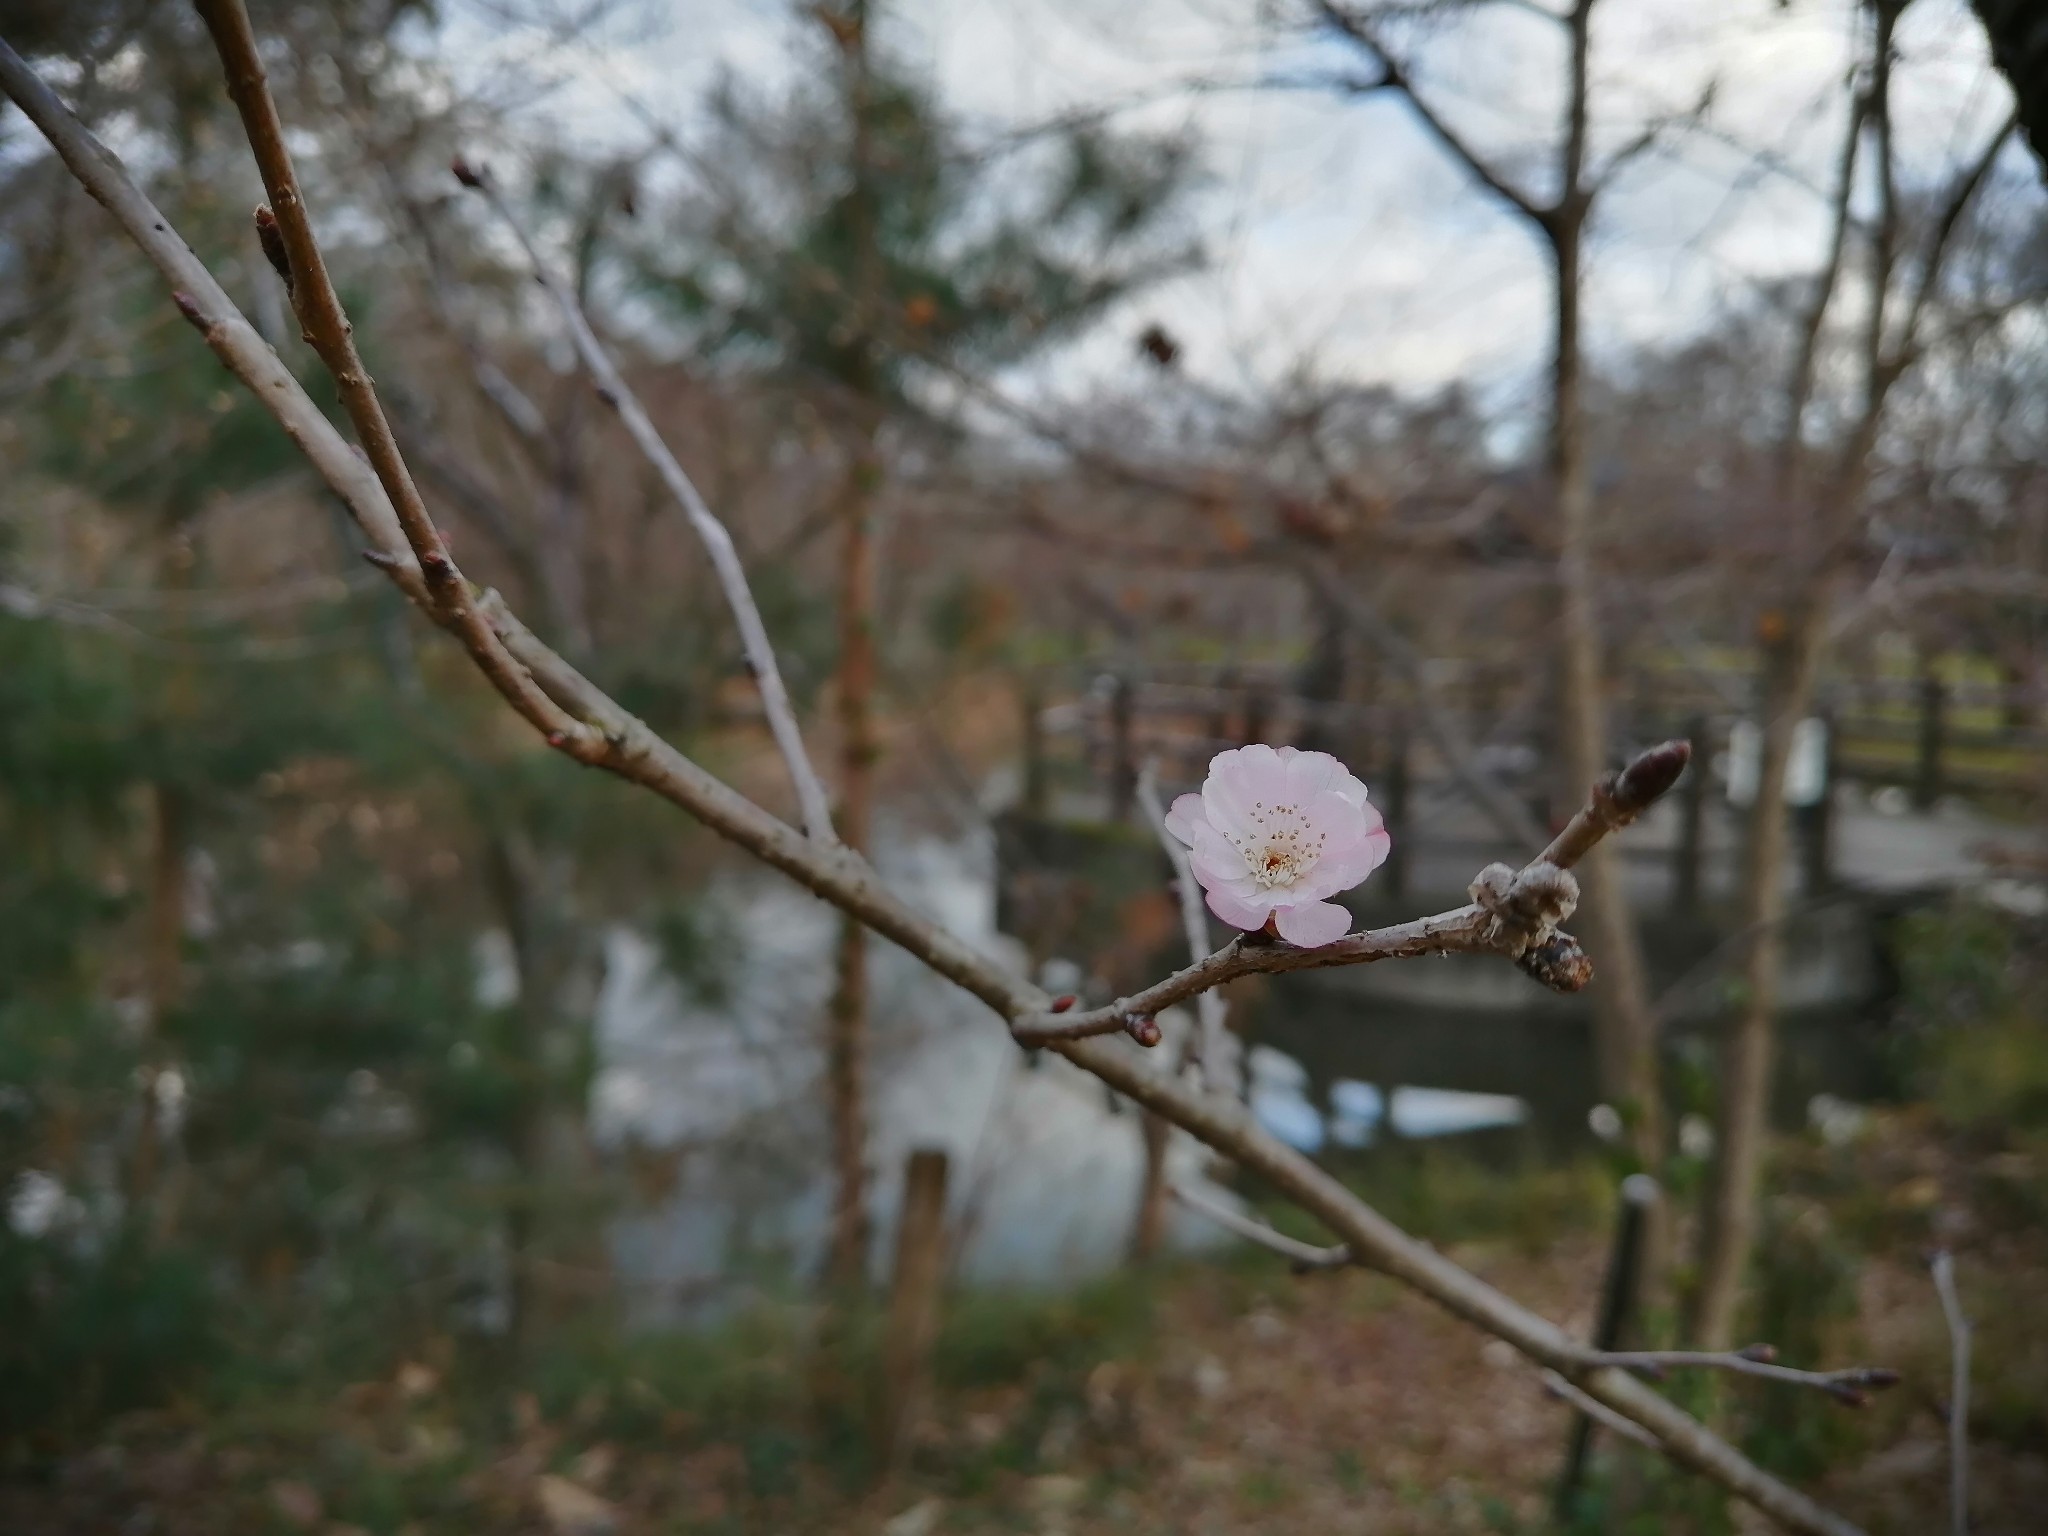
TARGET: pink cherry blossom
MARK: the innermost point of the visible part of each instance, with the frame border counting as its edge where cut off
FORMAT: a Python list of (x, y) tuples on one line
[(1276, 832)]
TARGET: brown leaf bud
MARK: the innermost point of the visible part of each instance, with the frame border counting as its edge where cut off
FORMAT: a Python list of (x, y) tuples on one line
[(271, 238), (1643, 782)]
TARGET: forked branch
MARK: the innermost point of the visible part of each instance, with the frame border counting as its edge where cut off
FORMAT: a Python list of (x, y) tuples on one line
[(287, 237), (725, 560)]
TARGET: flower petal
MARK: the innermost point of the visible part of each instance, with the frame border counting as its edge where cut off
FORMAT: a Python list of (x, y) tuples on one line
[(1308, 775), (1346, 783), (1185, 816), (1239, 912), (1312, 924), (1350, 844), (1241, 784), (1216, 859)]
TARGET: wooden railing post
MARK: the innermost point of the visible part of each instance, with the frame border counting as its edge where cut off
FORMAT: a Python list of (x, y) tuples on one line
[(1692, 821), (1254, 713), (1034, 797), (1816, 821), (1639, 1193), (914, 1293), (1395, 875), (1123, 757), (1933, 709)]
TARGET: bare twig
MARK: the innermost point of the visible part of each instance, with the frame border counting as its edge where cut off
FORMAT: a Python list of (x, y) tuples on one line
[(1650, 136), (1944, 1268), (220, 324), (1954, 206), (1799, 390), (1596, 1410), (725, 560), (1393, 75), (1501, 808), (621, 744), (1849, 1386), (288, 241), (1498, 921), (1303, 1255)]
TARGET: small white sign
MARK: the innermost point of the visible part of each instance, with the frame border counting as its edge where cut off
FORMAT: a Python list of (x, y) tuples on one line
[(1806, 769)]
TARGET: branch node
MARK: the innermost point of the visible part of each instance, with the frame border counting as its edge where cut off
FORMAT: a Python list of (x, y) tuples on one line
[(189, 308), (1525, 906)]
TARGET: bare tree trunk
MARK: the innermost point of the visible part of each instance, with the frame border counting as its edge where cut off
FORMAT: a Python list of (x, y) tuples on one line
[(546, 1140), (1623, 1019), (163, 972), (170, 843), (1790, 672), (847, 1045), (1148, 1232), (1748, 1052), (2019, 46)]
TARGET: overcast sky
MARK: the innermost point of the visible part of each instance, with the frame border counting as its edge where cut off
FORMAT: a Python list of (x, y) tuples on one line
[(1344, 242)]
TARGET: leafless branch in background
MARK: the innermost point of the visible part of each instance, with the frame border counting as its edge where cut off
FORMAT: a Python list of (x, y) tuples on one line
[(1850, 1386), (287, 235), (1445, 734), (1301, 1255), (812, 803)]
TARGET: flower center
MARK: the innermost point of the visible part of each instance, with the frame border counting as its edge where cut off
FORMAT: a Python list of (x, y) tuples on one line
[(1281, 848)]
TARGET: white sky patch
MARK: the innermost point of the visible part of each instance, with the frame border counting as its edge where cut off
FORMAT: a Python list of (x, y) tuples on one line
[(1343, 242)]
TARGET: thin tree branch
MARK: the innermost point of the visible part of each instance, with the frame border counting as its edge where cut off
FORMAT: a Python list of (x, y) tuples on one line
[(725, 561), (1944, 1268), (1501, 808), (287, 235), (1850, 1385), (1829, 279), (1957, 203), (459, 484), (1302, 1255), (1884, 238), (1649, 137), (1510, 915), (221, 325), (621, 744), (1350, 24), (1594, 1409)]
